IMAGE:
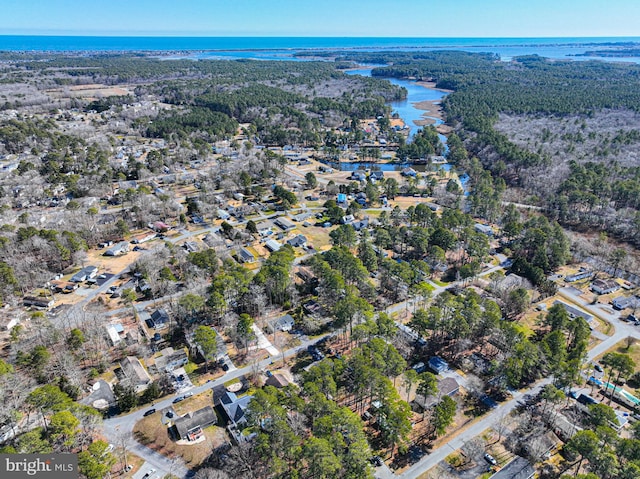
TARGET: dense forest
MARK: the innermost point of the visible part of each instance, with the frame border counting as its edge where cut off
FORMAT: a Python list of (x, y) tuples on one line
[(537, 123)]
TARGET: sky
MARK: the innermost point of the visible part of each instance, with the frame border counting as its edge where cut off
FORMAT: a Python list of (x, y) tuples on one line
[(336, 18)]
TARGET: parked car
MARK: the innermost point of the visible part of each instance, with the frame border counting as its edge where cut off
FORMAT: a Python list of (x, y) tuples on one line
[(376, 461), (149, 412), (178, 399), (490, 459), (148, 474)]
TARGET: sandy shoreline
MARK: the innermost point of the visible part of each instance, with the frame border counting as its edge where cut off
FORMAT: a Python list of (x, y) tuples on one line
[(432, 109)]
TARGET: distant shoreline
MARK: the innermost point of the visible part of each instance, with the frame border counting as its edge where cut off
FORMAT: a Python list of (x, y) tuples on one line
[(202, 44)]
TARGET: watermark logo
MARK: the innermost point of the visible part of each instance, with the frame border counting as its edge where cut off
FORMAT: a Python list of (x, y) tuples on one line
[(38, 466)]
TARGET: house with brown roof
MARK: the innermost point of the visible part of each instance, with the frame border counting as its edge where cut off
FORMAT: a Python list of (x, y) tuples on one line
[(277, 381), (446, 387)]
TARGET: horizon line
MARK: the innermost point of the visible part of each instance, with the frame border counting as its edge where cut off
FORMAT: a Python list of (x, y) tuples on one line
[(149, 35)]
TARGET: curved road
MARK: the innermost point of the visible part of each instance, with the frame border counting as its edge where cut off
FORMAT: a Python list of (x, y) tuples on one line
[(118, 427)]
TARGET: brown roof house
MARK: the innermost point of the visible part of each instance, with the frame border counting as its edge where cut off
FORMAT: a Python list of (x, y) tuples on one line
[(277, 381), (446, 387), (135, 373)]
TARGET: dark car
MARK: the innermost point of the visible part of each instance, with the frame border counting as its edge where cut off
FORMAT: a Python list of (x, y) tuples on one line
[(169, 414), (597, 367), (376, 461), (178, 399), (149, 412)]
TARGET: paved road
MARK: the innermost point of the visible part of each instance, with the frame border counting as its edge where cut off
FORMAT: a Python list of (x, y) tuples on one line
[(622, 330), (472, 431), (117, 427)]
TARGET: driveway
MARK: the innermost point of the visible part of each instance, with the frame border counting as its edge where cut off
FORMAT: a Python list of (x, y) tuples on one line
[(118, 427)]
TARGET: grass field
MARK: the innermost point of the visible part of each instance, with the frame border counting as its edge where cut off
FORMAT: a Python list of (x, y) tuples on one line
[(623, 347), (152, 433)]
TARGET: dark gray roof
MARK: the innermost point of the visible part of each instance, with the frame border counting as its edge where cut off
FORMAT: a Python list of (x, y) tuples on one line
[(297, 241), (574, 312), (201, 418), (160, 316), (519, 468), (246, 254), (235, 407)]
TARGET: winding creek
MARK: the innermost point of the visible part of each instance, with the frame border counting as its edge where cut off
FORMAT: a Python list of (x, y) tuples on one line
[(415, 94), (407, 110)]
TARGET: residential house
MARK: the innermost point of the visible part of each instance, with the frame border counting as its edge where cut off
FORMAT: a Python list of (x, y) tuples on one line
[(283, 323), (624, 302), (446, 387), (485, 229), (277, 381), (171, 359), (360, 225), (539, 446), (284, 223), (246, 256), (160, 226), (298, 241), (409, 172), (38, 302), (235, 408), (518, 468), (143, 237), (114, 331), (377, 175), (302, 216), (564, 428), (189, 427), (191, 246), (604, 286), (135, 373), (118, 249), (305, 274), (574, 312), (222, 214), (264, 228), (409, 335), (84, 274), (358, 176), (313, 308), (158, 319), (433, 207), (272, 245), (578, 276)]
